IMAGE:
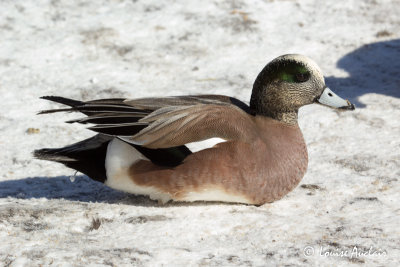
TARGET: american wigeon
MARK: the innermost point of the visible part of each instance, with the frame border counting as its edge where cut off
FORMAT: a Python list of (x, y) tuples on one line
[(141, 148)]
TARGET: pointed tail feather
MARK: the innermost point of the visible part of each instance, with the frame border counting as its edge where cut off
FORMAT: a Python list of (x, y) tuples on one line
[(63, 100), (87, 156)]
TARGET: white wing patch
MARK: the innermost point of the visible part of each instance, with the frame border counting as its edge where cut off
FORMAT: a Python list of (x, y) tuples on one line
[(208, 143)]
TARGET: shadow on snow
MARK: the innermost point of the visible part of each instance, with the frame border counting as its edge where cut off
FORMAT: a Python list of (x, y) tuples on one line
[(82, 189), (61, 187), (372, 68)]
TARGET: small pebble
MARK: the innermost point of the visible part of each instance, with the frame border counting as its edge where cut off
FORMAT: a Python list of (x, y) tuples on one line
[(33, 131)]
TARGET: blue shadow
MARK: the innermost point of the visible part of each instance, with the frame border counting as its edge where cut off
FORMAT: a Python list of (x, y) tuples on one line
[(372, 68), (61, 187)]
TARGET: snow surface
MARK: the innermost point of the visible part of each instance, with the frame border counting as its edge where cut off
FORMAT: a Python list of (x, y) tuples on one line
[(96, 49)]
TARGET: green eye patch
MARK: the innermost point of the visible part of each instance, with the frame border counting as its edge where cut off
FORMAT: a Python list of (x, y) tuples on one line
[(293, 73)]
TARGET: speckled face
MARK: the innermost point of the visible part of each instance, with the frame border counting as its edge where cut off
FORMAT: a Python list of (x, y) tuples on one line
[(295, 81), (286, 84)]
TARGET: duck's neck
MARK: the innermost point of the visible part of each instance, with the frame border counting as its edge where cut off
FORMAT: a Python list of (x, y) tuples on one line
[(269, 105), (286, 116)]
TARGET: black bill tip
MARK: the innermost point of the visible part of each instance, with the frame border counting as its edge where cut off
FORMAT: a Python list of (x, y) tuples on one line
[(349, 106)]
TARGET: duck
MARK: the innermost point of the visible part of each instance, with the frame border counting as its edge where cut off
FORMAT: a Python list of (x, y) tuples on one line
[(140, 146)]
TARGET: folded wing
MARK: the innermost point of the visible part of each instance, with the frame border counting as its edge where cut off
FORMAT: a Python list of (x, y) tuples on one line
[(166, 122)]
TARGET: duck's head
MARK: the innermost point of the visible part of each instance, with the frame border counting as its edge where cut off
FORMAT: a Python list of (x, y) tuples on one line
[(289, 82)]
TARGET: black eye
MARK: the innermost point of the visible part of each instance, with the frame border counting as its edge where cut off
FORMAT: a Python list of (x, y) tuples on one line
[(302, 77)]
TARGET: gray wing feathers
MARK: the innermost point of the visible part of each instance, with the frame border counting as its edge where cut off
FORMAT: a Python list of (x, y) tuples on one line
[(177, 125), (174, 101), (165, 122)]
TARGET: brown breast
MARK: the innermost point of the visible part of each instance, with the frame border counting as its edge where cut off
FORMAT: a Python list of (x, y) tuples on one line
[(282, 160), (262, 169)]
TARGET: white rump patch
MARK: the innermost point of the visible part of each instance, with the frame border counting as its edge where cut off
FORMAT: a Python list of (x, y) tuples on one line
[(208, 143), (119, 158)]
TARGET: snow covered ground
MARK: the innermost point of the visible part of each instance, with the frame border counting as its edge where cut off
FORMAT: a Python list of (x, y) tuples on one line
[(344, 213)]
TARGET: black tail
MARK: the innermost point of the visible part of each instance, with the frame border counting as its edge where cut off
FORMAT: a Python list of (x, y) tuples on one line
[(87, 156)]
